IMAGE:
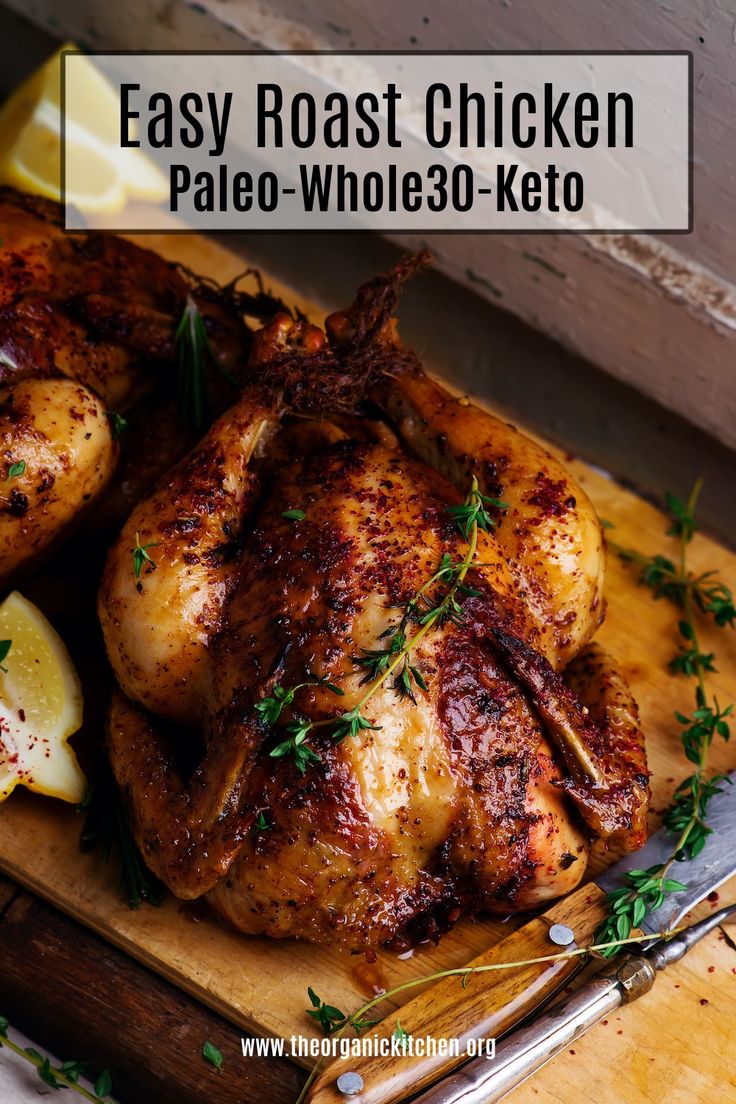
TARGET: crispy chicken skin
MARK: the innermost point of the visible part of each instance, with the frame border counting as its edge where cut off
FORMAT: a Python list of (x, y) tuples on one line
[(94, 318), (57, 433), (480, 794)]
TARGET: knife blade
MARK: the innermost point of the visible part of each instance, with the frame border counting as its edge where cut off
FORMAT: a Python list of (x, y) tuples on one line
[(496, 1002), (715, 863)]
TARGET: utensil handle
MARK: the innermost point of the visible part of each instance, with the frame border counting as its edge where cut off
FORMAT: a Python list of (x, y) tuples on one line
[(485, 1080), (492, 1004)]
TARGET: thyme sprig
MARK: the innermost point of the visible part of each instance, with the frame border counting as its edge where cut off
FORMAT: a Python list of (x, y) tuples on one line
[(437, 601), (64, 1076), (335, 1022), (644, 891), (142, 556), (194, 357)]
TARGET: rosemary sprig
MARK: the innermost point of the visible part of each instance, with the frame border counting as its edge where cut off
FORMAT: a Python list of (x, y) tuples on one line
[(335, 1022), (106, 828), (194, 357), (644, 891), (65, 1076), (438, 600)]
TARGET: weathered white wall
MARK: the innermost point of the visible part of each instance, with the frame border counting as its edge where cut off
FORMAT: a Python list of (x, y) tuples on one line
[(661, 315)]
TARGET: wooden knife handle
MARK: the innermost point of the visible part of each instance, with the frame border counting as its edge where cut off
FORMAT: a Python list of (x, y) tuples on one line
[(492, 1003)]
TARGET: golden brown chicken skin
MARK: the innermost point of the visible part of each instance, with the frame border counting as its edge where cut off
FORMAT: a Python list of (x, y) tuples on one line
[(94, 317), (479, 786)]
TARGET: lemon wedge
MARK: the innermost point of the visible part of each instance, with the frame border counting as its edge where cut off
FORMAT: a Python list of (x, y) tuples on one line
[(101, 176), (40, 705)]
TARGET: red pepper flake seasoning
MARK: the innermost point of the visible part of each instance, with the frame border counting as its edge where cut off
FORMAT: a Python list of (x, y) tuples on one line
[(713, 898), (703, 1001), (711, 969), (547, 496), (572, 1051)]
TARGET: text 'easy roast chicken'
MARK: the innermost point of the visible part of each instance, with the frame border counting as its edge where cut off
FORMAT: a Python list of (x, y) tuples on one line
[(373, 603)]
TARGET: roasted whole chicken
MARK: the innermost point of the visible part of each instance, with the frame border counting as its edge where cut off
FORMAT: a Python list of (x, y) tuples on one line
[(87, 328), (351, 631)]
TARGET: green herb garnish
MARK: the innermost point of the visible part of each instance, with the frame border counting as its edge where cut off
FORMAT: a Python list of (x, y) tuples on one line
[(644, 891), (141, 555), (212, 1054), (118, 424), (438, 600), (64, 1076), (194, 357)]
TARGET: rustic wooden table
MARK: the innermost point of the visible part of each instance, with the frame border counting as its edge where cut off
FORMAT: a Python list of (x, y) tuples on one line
[(81, 998)]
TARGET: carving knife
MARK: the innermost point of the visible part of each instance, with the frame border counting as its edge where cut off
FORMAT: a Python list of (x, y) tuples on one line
[(495, 1002)]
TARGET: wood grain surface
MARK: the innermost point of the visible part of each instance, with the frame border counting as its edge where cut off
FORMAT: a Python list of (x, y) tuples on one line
[(670, 1044), (84, 999)]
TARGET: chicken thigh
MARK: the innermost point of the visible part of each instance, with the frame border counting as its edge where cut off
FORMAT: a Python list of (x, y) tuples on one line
[(378, 631)]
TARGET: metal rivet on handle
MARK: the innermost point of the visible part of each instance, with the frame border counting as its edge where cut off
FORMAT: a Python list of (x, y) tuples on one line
[(350, 1084), (561, 935)]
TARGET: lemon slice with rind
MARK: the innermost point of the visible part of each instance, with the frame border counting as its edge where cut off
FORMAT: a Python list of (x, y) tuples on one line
[(101, 176), (40, 706)]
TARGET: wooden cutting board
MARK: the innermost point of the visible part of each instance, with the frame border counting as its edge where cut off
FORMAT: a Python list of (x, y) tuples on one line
[(675, 1042)]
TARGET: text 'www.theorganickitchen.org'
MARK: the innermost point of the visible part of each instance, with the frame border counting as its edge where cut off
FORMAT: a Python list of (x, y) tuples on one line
[(399, 1045)]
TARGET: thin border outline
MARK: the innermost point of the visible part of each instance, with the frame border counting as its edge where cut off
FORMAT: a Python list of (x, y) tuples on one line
[(385, 53)]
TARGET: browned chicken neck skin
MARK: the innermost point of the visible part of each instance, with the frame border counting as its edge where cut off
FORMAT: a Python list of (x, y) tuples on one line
[(475, 796)]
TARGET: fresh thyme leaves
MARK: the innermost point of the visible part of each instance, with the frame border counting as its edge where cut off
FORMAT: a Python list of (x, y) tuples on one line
[(141, 555), (5, 646), (644, 891), (682, 514), (106, 827), (351, 724), (402, 1037), (473, 513), (270, 709), (438, 600), (327, 1016), (331, 1019), (293, 515), (103, 1085), (296, 746), (17, 469), (118, 424), (65, 1076), (335, 1022), (194, 357), (260, 824), (212, 1054)]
